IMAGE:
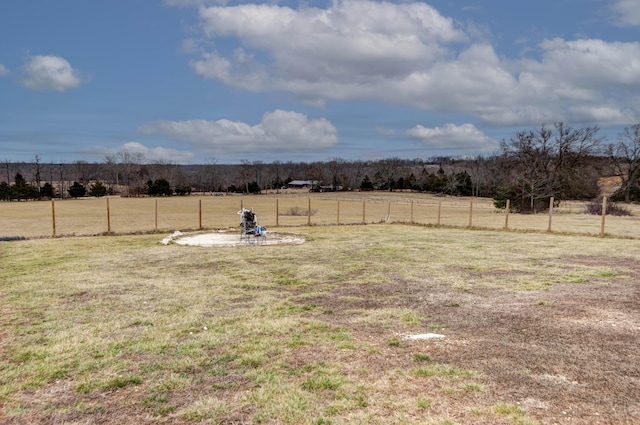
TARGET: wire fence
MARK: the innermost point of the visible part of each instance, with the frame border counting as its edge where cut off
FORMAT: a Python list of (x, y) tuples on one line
[(91, 216)]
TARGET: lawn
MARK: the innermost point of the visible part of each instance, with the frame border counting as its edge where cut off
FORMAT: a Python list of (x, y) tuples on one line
[(538, 328)]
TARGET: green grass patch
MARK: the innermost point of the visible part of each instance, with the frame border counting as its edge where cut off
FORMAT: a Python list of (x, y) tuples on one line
[(394, 342), (505, 409), (419, 357), (443, 371)]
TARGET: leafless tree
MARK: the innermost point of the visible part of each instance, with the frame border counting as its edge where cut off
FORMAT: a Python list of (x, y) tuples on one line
[(37, 171), (130, 163), (7, 165), (210, 178), (335, 170), (388, 171), (62, 174), (547, 162), (625, 157)]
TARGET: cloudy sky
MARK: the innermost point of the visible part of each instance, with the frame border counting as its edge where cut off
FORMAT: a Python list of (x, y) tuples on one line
[(202, 81)]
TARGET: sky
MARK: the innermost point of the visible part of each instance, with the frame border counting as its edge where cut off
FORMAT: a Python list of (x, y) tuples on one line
[(215, 81)]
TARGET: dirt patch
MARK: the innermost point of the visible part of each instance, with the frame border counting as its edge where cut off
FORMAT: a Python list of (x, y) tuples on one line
[(569, 353)]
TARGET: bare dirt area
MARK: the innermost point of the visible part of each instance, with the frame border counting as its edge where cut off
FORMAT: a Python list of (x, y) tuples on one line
[(568, 355)]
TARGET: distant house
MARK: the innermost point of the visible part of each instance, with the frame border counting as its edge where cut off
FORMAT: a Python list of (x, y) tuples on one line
[(302, 184)]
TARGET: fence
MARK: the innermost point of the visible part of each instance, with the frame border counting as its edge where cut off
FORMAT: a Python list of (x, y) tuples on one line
[(141, 215)]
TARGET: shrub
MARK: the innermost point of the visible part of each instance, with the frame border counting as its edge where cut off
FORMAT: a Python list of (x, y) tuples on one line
[(595, 207), (183, 190)]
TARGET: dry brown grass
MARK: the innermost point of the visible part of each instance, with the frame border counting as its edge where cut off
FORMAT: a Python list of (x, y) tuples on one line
[(88, 216), (540, 328)]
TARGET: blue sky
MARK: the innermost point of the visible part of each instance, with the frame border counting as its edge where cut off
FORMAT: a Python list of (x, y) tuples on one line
[(204, 81)]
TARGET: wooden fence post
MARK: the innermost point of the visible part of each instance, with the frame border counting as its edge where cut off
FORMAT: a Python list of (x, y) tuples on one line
[(550, 213), (338, 216), (156, 212), (471, 213), (53, 217), (388, 212), (604, 213), (439, 211), (108, 218), (200, 214), (506, 218), (412, 211), (309, 213), (363, 212), (277, 212)]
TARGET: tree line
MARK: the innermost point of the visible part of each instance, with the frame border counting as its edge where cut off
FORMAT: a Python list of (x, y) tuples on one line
[(532, 166)]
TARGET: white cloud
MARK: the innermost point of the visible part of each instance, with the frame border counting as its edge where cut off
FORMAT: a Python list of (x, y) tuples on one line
[(50, 73), (150, 155), (241, 70), (279, 131), (352, 42), (465, 137), (3, 71), (409, 54), (627, 12), (572, 80)]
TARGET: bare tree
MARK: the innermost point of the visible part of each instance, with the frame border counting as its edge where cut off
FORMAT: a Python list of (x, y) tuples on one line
[(335, 171), (530, 154), (130, 163), (388, 170), (258, 168), (115, 172), (62, 180), (210, 176), (82, 171), (625, 157), (356, 171), (7, 163), (545, 163), (37, 171)]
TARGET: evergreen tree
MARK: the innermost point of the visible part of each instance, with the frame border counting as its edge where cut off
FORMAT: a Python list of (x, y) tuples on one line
[(366, 184), (97, 189), (159, 187), (77, 190), (47, 191), (22, 190)]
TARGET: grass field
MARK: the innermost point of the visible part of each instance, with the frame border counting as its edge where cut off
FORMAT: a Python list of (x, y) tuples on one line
[(539, 329), (90, 216)]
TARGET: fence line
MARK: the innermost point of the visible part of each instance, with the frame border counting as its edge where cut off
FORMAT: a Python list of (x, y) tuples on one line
[(135, 215)]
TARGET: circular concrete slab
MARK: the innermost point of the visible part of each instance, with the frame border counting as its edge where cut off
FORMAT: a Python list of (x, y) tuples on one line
[(231, 239)]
